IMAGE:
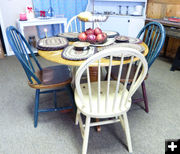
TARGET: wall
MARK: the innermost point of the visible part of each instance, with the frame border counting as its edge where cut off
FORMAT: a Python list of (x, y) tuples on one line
[(159, 9), (9, 10)]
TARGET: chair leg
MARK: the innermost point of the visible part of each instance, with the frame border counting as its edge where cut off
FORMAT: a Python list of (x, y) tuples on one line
[(77, 114), (73, 70), (127, 132), (55, 102), (71, 95), (145, 96), (36, 108), (86, 135)]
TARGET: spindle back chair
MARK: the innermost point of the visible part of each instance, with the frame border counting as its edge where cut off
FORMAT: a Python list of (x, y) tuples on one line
[(110, 98), (52, 79), (76, 25), (153, 34)]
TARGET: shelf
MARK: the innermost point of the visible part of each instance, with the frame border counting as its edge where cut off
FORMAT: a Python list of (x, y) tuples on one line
[(125, 16), (127, 25), (122, 0), (37, 22)]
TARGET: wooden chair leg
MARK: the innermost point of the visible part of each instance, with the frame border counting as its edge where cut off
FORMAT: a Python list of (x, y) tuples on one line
[(77, 114), (71, 95), (127, 132), (36, 108), (145, 96), (94, 78), (86, 135), (55, 101), (98, 128)]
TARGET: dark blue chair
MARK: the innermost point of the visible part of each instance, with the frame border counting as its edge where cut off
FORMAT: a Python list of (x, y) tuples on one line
[(153, 34), (45, 80)]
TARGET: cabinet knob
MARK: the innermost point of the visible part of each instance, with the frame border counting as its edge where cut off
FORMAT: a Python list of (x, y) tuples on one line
[(128, 20)]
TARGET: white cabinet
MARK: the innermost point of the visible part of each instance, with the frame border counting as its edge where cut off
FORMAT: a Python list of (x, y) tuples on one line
[(127, 26), (135, 25), (115, 23), (125, 16)]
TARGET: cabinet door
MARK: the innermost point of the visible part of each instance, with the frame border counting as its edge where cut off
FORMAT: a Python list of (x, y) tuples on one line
[(135, 25), (115, 23)]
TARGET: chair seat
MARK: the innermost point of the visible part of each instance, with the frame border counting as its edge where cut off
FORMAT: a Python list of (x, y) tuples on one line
[(115, 69), (52, 77), (85, 108)]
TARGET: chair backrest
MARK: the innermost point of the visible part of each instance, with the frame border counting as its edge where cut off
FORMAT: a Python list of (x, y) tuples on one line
[(22, 50), (153, 34), (76, 25), (111, 87)]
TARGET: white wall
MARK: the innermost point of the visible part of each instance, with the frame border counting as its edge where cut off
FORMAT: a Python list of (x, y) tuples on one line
[(9, 13)]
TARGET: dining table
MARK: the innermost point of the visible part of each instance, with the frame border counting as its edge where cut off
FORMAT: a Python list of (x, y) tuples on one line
[(56, 57)]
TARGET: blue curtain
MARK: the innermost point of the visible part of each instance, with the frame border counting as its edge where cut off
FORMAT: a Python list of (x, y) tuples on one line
[(68, 8)]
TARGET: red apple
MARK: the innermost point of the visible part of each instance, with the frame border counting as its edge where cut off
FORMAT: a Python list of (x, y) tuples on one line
[(82, 36), (89, 31), (101, 38), (97, 31), (91, 38)]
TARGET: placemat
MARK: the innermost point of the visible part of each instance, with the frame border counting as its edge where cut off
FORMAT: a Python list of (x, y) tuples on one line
[(70, 53), (52, 43), (129, 45), (70, 36)]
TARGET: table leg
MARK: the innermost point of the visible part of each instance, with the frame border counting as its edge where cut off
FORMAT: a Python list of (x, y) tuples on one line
[(93, 71)]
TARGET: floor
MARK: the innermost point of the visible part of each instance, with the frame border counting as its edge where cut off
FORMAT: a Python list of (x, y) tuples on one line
[(56, 132)]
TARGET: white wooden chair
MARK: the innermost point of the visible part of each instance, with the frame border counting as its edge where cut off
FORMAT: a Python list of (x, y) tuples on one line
[(107, 99), (76, 25)]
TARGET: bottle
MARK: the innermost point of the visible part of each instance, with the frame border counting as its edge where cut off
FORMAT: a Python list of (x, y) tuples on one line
[(32, 41), (50, 12)]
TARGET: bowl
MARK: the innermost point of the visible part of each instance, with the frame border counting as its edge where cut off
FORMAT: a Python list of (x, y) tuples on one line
[(81, 45), (121, 39)]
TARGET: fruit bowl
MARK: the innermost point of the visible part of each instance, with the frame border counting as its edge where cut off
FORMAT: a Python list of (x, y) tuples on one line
[(89, 17), (93, 36)]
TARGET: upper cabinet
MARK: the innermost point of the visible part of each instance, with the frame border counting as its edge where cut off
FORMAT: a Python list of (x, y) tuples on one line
[(118, 7), (125, 16)]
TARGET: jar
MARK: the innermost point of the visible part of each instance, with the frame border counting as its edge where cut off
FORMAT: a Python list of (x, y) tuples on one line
[(32, 41), (22, 16)]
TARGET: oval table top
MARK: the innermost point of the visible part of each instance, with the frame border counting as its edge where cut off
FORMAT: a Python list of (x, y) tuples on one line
[(55, 56)]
